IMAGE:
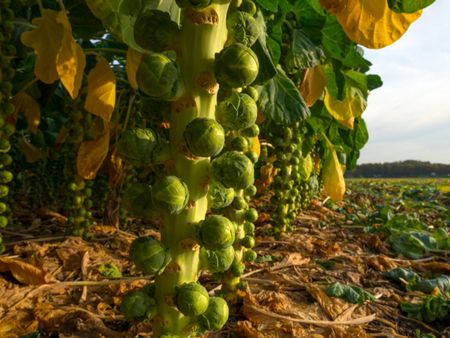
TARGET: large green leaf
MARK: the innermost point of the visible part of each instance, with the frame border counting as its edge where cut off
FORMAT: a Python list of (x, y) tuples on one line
[(281, 101), (302, 53), (269, 5), (267, 68), (408, 6)]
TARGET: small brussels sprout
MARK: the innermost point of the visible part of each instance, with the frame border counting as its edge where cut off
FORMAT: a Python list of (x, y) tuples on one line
[(191, 299), (237, 112), (155, 31), (249, 255), (239, 143), (237, 268), (215, 316), (204, 137), (137, 200), (248, 242), (236, 66), (217, 260), (170, 194), (242, 28), (149, 255), (249, 228), (251, 215), (251, 190), (251, 131), (138, 305), (252, 156), (234, 170), (219, 196), (158, 76), (216, 232), (239, 203), (136, 146)]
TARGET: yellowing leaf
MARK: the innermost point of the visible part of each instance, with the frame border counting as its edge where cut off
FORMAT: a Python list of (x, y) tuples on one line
[(370, 23), (348, 109), (333, 177), (32, 154), (313, 85), (101, 96), (24, 272), (91, 155), (256, 146), (26, 104), (71, 60), (134, 59), (46, 42)]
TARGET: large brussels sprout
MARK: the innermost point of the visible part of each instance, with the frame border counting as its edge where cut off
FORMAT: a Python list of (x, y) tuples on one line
[(219, 196), (149, 255), (170, 194), (191, 299), (233, 169), (236, 66), (217, 260), (237, 112), (242, 28), (137, 200), (216, 232), (138, 305), (136, 145), (204, 137), (216, 315), (155, 31), (158, 76)]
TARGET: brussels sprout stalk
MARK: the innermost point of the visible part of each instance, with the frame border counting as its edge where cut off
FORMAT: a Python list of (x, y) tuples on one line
[(203, 34)]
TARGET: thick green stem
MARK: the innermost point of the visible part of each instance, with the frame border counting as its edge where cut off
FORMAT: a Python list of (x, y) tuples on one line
[(203, 35)]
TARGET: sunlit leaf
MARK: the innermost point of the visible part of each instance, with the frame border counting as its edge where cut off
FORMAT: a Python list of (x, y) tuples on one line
[(91, 155), (333, 176), (313, 85), (101, 95), (345, 111), (256, 145), (26, 104), (133, 61), (370, 23), (24, 272), (46, 41), (71, 60)]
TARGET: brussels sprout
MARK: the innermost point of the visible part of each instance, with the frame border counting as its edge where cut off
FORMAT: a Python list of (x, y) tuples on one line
[(251, 191), (137, 200), (237, 268), (136, 146), (236, 66), (204, 137), (251, 215), (155, 31), (3, 207), (249, 228), (170, 194), (149, 255), (251, 131), (138, 305), (217, 260), (216, 232), (248, 242), (252, 156), (219, 196), (249, 255), (5, 146), (3, 221), (191, 299), (158, 76), (239, 203), (6, 176), (237, 112), (242, 28), (239, 143), (215, 316), (234, 170)]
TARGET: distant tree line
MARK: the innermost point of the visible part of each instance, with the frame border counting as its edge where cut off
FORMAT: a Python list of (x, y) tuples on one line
[(409, 168)]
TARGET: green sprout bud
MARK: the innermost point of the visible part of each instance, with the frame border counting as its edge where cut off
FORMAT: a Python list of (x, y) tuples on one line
[(6, 176), (239, 143), (251, 215), (237, 112), (215, 316), (219, 196), (3, 207), (5, 146), (137, 200), (251, 131), (239, 203), (237, 268), (191, 299), (216, 232), (149, 255), (138, 305), (251, 190), (242, 28), (252, 156), (170, 194), (248, 242), (217, 260), (249, 228), (204, 137), (249, 255), (158, 76), (136, 146), (234, 170), (236, 66), (3, 221), (155, 31)]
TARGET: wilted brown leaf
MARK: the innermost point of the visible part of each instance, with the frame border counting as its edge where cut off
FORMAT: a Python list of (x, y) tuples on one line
[(24, 272)]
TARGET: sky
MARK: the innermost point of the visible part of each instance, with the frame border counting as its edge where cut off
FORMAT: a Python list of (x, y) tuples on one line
[(409, 117)]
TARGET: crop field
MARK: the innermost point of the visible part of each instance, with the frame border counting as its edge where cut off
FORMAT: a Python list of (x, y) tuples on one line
[(373, 265)]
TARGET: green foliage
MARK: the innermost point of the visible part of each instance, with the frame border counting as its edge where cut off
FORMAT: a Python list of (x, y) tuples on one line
[(242, 28), (110, 270), (349, 293), (137, 200), (429, 309), (408, 6)]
